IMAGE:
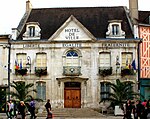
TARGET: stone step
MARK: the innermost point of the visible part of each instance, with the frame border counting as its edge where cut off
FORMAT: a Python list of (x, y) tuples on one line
[(72, 112)]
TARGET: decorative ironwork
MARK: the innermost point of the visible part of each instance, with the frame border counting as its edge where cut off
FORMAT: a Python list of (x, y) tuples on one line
[(40, 71), (72, 70), (127, 71), (105, 71), (21, 71)]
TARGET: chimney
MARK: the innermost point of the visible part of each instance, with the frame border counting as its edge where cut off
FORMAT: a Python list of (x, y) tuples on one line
[(28, 5), (133, 8)]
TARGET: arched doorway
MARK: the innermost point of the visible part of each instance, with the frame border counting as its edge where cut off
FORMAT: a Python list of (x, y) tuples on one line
[(72, 95)]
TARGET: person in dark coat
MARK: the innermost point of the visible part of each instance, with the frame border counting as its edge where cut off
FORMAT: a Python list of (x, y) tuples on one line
[(22, 109), (129, 108), (48, 109), (139, 110)]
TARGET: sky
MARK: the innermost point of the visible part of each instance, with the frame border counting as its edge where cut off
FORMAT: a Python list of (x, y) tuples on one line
[(11, 11)]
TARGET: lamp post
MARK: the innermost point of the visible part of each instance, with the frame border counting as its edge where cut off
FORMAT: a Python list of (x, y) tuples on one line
[(117, 64), (28, 65)]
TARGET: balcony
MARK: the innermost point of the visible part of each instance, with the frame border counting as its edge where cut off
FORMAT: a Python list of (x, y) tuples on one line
[(22, 71), (40, 71), (126, 71), (105, 71), (71, 70)]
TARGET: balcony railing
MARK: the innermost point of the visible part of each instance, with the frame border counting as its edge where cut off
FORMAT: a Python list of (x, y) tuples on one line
[(105, 71), (72, 70), (127, 71), (40, 71), (22, 71)]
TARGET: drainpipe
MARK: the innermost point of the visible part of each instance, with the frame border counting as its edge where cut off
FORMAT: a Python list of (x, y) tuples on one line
[(9, 48), (138, 50)]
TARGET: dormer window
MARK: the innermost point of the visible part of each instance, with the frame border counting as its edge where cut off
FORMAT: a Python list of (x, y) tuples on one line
[(114, 30), (32, 31)]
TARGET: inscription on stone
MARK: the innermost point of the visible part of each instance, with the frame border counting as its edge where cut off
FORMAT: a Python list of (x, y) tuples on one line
[(71, 33)]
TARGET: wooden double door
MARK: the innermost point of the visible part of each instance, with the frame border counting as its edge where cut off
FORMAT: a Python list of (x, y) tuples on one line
[(72, 97)]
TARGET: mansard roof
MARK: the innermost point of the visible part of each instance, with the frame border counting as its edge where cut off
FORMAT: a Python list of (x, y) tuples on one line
[(144, 17), (95, 19)]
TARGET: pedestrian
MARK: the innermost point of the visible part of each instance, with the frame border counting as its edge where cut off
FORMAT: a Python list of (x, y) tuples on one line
[(139, 110), (15, 108), (144, 103), (22, 109), (32, 108), (8, 110), (48, 109), (11, 109), (148, 109), (129, 108)]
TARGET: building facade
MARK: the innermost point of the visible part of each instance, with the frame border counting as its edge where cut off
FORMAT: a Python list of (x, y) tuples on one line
[(144, 72), (70, 54), (4, 66)]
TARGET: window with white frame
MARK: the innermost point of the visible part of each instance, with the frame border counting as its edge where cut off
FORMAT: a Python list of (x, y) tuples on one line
[(21, 59), (105, 60), (32, 31), (105, 89), (127, 58), (72, 58), (41, 90), (41, 60), (114, 29)]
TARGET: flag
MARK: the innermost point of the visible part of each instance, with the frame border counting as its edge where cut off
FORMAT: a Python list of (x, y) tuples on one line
[(133, 64), (20, 64), (127, 66), (16, 65)]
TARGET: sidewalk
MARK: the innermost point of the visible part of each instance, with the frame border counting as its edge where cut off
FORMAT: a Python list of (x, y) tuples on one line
[(3, 116)]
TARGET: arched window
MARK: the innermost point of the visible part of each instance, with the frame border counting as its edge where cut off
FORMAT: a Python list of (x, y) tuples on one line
[(72, 58)]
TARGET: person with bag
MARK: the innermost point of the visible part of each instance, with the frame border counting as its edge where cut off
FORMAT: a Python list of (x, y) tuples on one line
[(32, 109), (48, 109)]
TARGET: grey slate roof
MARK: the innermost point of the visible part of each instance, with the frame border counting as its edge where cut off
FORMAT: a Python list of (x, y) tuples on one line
[(95, 19), (144, 17)]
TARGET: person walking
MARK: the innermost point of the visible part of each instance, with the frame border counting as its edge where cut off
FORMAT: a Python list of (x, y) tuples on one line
[(48, 109), (32, 109), (22, 109), (8, 110), (139, 110), (11, 109), (129, 108)]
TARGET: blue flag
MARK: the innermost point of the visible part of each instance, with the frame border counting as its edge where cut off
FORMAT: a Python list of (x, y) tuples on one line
[(133, 64), (20, 64)]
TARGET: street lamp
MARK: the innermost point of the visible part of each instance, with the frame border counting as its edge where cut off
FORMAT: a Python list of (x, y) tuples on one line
[(28, 65), (117, 64)]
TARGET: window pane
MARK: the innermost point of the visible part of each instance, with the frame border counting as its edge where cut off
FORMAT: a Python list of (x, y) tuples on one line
[(22, 59), (41, 90), (126, 59), (72, 54), (72, 58), (41, 60), (104, 59), (104, 88)]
